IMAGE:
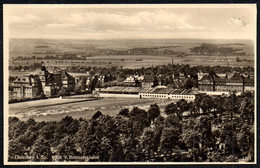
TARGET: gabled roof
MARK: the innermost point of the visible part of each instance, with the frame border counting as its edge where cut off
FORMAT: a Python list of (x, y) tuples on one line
[(27, 79), (236, 76), (119, 89), (206, 77), (193, 92)]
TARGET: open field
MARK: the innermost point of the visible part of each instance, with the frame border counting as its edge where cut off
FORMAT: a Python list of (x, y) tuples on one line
[(44, 47), (26, 110), (42, 102), (130, 61), (26, 47), (20, 74), (139, 61)]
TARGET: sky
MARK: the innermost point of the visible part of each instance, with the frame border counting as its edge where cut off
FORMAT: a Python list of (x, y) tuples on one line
[(130, 21)]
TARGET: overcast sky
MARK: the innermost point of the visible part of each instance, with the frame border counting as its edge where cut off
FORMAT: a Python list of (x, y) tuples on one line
[(131, 22)]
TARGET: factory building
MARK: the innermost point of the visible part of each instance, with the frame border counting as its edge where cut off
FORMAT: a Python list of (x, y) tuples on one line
[(166, 93), (147, 93)]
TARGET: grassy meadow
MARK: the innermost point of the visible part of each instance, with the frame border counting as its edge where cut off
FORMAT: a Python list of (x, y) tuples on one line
[(87, 109)]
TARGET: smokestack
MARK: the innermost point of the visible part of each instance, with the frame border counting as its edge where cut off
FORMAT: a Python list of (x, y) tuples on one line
[(43, 68)]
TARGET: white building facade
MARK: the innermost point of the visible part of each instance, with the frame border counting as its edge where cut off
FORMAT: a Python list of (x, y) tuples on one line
[(147, 93)]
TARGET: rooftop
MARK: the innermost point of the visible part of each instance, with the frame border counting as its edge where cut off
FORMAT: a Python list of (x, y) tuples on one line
[(118, 89)]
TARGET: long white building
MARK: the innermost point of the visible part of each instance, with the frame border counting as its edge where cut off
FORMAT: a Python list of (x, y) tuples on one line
[(147, 93), (166, 93)]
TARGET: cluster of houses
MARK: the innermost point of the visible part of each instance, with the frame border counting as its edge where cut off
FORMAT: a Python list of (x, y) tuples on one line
[(50, 83), (217, 84), (221, 82), (43, 82)]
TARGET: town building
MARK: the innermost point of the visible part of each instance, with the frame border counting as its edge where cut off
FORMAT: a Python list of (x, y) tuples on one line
[(236, 82), (27, 87), (206, 83), (249, 84), (119, 92), (52, 82), (42, 82)]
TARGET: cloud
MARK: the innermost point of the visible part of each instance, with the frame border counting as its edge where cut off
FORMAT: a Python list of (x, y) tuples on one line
[(153, 20), (187, 26), (24, 19), (238, 21), (130, 22), (55, 25)]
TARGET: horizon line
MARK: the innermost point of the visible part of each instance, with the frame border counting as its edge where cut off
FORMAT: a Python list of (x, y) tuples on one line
[(28, 38)]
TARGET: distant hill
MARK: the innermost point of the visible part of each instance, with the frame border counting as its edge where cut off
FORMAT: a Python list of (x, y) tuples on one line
[(27, 47)]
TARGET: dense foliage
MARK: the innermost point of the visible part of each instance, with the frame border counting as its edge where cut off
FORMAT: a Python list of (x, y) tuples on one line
[(214, 129), (210, 49)]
